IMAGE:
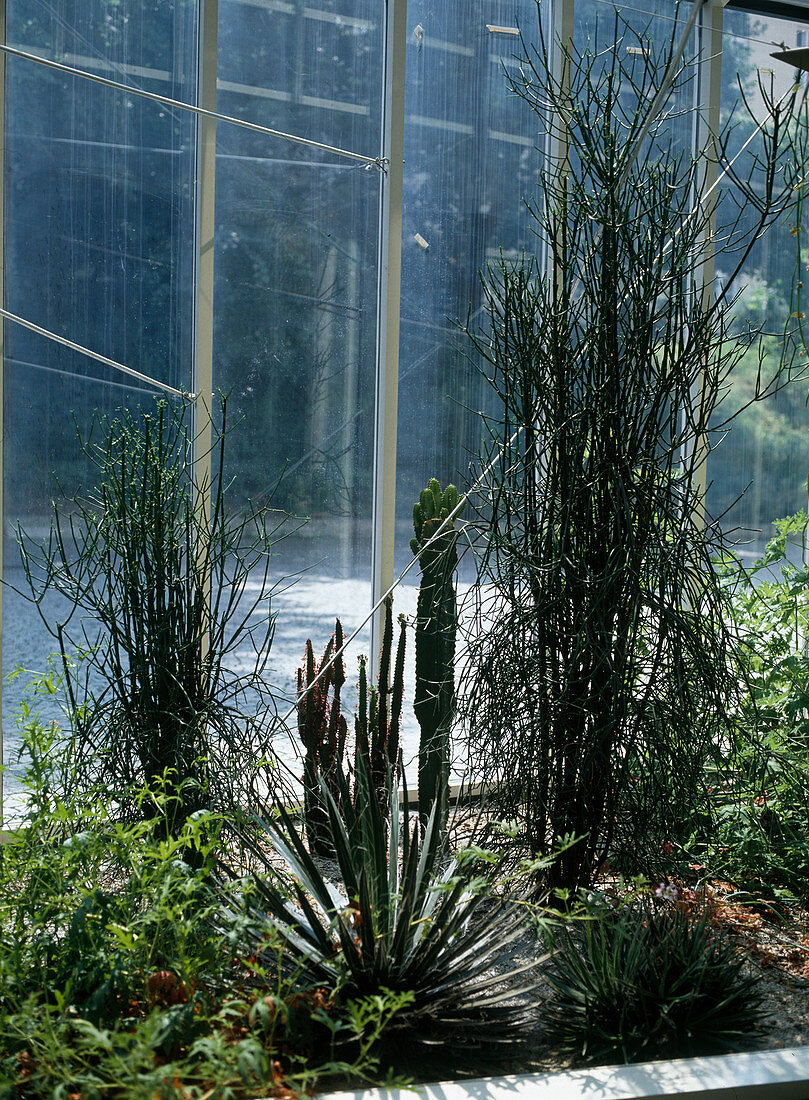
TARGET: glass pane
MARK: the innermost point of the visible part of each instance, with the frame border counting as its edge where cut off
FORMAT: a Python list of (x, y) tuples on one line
[(296, 293), (99, 206), (99, 247), (149, 44), (758, 472), (470, 157)]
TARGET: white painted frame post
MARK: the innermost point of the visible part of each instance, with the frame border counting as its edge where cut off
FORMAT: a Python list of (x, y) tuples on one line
[(387, 348), (706, 128), (204, 255), (560, 30)]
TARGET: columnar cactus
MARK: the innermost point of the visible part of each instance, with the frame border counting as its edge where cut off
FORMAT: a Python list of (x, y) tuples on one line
[(436, 625), (322, 730), (379, 708)]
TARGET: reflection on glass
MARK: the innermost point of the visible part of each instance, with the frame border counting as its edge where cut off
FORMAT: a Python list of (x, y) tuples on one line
[(296, 285), (99, 219), (470, 157), (759, 471), (149, 44)]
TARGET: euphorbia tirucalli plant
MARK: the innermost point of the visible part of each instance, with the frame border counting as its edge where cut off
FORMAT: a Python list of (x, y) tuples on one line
[(600, 664)]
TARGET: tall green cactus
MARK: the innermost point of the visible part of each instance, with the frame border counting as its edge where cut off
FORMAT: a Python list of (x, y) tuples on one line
[(322, 730), (379, 709), (436, 626)]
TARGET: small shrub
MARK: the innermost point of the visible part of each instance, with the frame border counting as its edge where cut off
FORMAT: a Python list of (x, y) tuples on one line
[(120, 968), (599, 669), (162, 585), (650, 981), (757, 832), (95, 910)]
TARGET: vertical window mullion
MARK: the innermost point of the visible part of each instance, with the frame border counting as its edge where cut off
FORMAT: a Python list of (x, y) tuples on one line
[(2, 357), (706, 127), (559, 30), (204, 253), (389, 276)]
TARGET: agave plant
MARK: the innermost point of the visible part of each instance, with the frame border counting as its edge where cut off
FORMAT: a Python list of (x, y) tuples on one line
[(402, 917), (652, 981)]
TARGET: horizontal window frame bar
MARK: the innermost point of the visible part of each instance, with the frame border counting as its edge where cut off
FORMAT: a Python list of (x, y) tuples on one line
[(774, 9)]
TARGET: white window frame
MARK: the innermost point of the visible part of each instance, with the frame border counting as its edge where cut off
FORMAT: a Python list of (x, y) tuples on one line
[(560, 26)]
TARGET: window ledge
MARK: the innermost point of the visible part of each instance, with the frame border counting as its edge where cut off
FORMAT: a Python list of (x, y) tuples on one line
[(756, 1075)]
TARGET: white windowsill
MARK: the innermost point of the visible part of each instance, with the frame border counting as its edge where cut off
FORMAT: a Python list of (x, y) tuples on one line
[(757, 1075)]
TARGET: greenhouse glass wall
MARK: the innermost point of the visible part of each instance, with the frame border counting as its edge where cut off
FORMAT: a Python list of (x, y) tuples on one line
[(291, 202)]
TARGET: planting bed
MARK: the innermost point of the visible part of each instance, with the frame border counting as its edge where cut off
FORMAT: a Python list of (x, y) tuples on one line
[(776, 949)]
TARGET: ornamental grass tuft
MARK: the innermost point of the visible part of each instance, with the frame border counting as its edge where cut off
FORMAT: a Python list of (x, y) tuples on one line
[(650, 981)]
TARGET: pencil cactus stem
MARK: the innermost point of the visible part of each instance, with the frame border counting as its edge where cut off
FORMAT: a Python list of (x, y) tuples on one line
[(361, 745), (397, 695), (383, 679)]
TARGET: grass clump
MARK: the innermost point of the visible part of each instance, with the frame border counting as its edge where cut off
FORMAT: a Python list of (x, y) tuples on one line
[(650, 980)]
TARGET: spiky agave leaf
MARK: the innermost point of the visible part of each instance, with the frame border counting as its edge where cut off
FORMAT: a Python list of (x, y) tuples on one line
[(405, 918)]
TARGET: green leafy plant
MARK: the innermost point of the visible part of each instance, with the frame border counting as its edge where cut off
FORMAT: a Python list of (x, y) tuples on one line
[(121, 964), (650, 980), (399, 917), (93, 905), (756, 832), (436, 627), (155, 577)]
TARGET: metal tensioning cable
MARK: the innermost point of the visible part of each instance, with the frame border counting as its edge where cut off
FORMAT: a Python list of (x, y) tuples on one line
[(64, 342), (379, 163)]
